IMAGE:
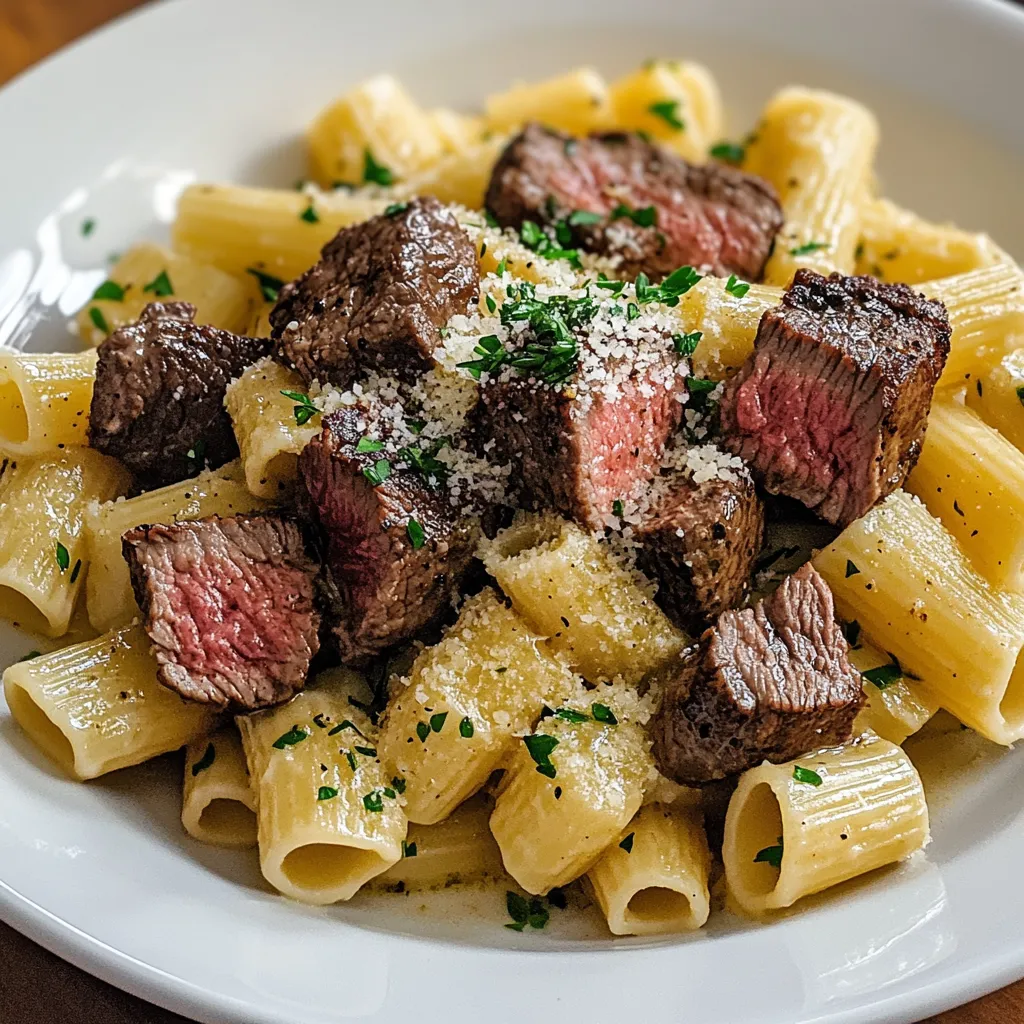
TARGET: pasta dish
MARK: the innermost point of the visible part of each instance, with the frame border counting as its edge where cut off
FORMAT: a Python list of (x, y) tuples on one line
[(565, 497)]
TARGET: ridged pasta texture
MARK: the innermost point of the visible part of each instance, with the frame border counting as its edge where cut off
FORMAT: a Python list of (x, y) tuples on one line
[(217, 801)]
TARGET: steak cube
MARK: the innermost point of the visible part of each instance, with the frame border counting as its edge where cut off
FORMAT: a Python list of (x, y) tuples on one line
[(769, 682), (378, 297), (700, 541), (396, 550), (654, 211), (832, 405), (228, 605), (158, 402), (587, 427)]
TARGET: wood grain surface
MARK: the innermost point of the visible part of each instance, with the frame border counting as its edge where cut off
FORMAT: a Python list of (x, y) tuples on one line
[(35, 986)]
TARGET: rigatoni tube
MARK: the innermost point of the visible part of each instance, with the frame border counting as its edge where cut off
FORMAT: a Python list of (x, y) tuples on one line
[(801, 827), (217, 804), (903, 577), (465, 701), (997, 396)]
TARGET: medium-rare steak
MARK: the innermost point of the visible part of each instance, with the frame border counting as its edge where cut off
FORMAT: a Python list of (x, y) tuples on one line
[(582, 404), (699, 542), (769, 682), (832, 405), (379, 296), (653, 210), (228, 605), (396, 549), (158, 403)]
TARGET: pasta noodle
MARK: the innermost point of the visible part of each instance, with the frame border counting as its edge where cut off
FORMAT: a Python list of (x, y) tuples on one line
[(897, 245), (570, 788), (576, 102), (97, 706), (44, 401), (972, 480), (268, 432), (217, 803), (460, 176), (906, 581), (817, 149), (655, 878), (109, 596), (268, 230), (466, 700), (44, 557), (995, 396), (602, 622), (323, 831), (797, 828), (151, 273)]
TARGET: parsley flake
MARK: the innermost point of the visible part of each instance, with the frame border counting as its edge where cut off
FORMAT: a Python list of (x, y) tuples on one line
[(770, 855), (466, 729), (437, 721), (644, 217), (309, 214), (728, 152), (884, 675), (63, 558), (160, 285), (735, 287), (374, 801), (378, 472), (368, 444), (415, 533), (423, 731), (408, 849), (326, 793), (293, 736), (678, 283), (668, 111), (807, 247), (617, 508), (209, 756), (491, 304), (395, 209), (98, 319), (398, 783), (304, 409), (88, 226), (806, 775), (270, 286), (525, 912), (603, 713), (109, 291), (375, 173), (580, 217), (539, 747), (686, 344)]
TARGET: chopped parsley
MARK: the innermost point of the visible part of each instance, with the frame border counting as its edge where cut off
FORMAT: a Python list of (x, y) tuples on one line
[(627, 843), (580, 217), (728, 152), (309, 214), (1020, 393), (398, 783), (437, 721), (415, 533), (686, 344), (326, 793), (539, 747), (492, 221), (570, 715), (491, 304), (344, 725), (160, 285), (466, 729), (533, 237), (617, 509), (293, 736), (679, 282), (851, 569), (408, 849), (525, 912), (367, 751), (632, 311), (88, 226), (270, 286), (375, 173), (76, 570), (395, 209), (615, 287), (603, 713), (426, 462), (98, 319), (501, 267), (884, 675), (110, 291), (668, 111), (318, 720), (30, 656), (423, 731), (63, 558), (367, 444), (351, 758), (645, 217), (807, 248), (205, 761), (374, 801), (492, 355), (304, 409), (378, 472), (806, 775), (735, 287), (770, 855)]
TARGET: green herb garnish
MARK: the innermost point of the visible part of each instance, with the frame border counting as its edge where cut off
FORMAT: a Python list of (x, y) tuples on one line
[(770, 855), (807, 247), (735, 287), (415, 533), (540, 746), (375, 173), (294, 735), (408, 849), (304, 409), (367, 444), (644, 217), (374, 801), (309, 214), (437, 721), (88, 226), (466, 729), (110, 291), (423, 731), (603, 713), (525, 912), (160, 285), (205, 761), (98, 319), (686, 344), (580, 217), (728, 152), (63, 558), (378, 472), (395, 209), (678, 283), (884, 675), (270, 286), (617, 508), (326, 793), (668, 111), (806, 775)]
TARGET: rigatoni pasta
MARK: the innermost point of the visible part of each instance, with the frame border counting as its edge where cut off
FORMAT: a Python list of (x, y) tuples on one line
[(97, 706), (797, 828), (218, 805), (44, 401), (995, 395), (577, 101)]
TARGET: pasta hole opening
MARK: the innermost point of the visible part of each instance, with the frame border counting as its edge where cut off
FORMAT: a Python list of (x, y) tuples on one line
[(760, 831), (658, 905), (35, 722), (20, 610), (327, 865), (13, 415), (525, 533), (228, 821), (1011, 707)]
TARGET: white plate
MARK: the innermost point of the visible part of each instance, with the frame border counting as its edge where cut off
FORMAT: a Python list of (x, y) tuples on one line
[(102, 874)]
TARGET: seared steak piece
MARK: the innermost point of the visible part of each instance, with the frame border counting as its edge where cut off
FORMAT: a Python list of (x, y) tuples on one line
[(700, 542), (592, 432), (228, 604), (832, 405), (158, 403), (396, 550), (378, 297), (769, 682), (710, 216)]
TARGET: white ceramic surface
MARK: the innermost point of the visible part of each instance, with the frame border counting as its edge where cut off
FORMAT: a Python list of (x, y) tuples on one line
[(220, 89)]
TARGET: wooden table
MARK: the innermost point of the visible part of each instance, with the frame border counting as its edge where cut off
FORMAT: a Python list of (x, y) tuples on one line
[(35, 986)]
